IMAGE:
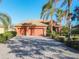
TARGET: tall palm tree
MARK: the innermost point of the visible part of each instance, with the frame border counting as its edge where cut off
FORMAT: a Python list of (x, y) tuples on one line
[(48, 10), (68, 15), (5, 20)]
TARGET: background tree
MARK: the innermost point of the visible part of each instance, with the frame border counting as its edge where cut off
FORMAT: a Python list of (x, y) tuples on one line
[(5, 20), (59, 14)]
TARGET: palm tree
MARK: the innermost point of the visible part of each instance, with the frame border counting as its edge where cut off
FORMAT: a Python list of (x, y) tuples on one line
[(69, 15), (48, 10), (59, 15), (5, 20)]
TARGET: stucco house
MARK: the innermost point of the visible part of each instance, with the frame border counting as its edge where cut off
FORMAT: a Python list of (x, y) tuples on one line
[(34, 28), (1, 29)]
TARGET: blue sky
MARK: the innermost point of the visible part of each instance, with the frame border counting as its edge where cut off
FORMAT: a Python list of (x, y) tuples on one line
[(21, 10)]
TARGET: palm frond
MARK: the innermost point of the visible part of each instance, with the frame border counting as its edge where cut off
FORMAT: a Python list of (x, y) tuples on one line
[(64, 3), (46, 7), (6, 17), (4, 23), (69, 2), (5, 20), (59, 15), (42, 14)]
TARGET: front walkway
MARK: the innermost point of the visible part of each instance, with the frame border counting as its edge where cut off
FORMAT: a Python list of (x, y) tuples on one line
[(36, 48)]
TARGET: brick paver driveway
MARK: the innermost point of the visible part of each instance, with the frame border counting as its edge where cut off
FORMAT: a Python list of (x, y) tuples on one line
[(36, 48)]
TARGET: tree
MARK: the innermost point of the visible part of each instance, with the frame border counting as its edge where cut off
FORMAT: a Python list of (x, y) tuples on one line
[(48, 10), (5, 20), (68, 15), (64, 30), (60, 14)]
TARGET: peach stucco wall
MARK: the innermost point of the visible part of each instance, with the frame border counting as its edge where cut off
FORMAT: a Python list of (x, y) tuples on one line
[(33, 31)]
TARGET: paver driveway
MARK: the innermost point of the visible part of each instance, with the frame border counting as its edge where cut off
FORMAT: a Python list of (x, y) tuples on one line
[(36, 48)]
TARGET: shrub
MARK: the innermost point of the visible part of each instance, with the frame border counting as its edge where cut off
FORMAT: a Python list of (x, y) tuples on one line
[(48, 32), (73, 44), (53, 34), (9, 34), (2, 38), (75, 47), (75, 38), (75, 31), (13, 33), (61, 38), (64, 30)]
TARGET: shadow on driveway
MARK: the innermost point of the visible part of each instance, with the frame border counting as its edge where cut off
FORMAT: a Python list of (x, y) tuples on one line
[(39, 48)]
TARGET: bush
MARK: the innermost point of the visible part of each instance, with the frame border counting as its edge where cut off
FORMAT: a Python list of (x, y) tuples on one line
[(75, 47), (64, 31), (53, 34), (48, 32), (73, 44), (9, 34), (13, 33), (61, 38), (2, 38), (75, 38), (75, 31)]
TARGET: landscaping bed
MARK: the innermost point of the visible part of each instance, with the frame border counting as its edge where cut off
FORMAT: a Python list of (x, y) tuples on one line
[(74, 43)]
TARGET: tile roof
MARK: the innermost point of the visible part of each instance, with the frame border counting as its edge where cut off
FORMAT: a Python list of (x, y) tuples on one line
[(32, 23), (35, 23)]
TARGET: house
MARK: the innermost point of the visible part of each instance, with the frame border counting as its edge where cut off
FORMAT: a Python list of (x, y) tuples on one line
[(34, 28), (56, 27), (1, 29)]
